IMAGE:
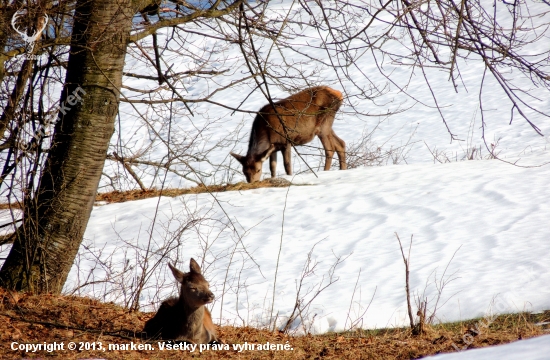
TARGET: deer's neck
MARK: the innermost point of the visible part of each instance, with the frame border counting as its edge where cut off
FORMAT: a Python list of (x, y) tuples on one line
[(192, 317), (259, 139)]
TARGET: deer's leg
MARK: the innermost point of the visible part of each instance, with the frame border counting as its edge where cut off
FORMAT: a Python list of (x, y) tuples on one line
[(340, 147), (287, 154), (326, 141), (273, 163)]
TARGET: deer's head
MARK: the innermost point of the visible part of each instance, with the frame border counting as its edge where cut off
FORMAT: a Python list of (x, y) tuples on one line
[(195, 290), (252, 163)]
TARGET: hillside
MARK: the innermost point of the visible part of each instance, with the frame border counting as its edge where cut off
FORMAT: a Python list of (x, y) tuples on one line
[(28, 319)]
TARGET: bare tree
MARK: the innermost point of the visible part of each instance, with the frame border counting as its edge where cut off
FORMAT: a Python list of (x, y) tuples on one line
[(507, 37), (57, 206)]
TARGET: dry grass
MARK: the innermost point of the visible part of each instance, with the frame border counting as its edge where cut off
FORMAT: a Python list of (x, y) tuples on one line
[(26, 318), (122, 196), (7, 206)]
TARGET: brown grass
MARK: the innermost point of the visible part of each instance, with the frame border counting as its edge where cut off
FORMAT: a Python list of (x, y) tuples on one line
[(35, 319), (122, 196), (6, 206)]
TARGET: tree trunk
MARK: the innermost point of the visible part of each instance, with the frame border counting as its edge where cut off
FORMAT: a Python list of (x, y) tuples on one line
[(55, 218)]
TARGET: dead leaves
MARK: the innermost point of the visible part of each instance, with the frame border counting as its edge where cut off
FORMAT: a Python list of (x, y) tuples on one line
[(27, 318)]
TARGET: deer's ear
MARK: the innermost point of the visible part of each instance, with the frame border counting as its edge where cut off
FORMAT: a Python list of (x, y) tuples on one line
[(266, 154), (240, 158), (194, 267), (177, 274)]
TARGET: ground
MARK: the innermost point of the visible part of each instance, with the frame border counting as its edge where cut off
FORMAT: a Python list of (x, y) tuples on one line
[(39, 319)]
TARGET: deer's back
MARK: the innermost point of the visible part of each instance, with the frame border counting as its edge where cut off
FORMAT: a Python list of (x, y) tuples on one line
[(303, 114), (163, 324)]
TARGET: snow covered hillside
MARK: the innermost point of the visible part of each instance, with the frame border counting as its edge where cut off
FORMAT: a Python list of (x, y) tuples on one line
[(490, 215)]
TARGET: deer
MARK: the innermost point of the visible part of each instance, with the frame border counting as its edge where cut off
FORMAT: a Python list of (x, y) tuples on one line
[(295, 120), (185, 317)]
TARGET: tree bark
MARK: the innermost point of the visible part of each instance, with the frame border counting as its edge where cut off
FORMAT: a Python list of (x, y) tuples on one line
[(56, 217)]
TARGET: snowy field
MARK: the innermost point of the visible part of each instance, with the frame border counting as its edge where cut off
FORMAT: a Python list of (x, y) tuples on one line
[(489, 214), (479, 229)]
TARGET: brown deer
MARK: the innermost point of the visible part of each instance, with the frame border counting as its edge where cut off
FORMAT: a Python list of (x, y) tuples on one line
[(185, 318), (293, 121)]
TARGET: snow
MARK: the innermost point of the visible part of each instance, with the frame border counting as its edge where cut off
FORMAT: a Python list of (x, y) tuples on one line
[(490, 215), (478, 227), (532, 349)]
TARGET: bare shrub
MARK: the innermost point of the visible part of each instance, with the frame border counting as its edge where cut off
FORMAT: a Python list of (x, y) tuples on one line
[(300, 318), (425, 316), (364, 152), (128, 272), (356, 322)]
